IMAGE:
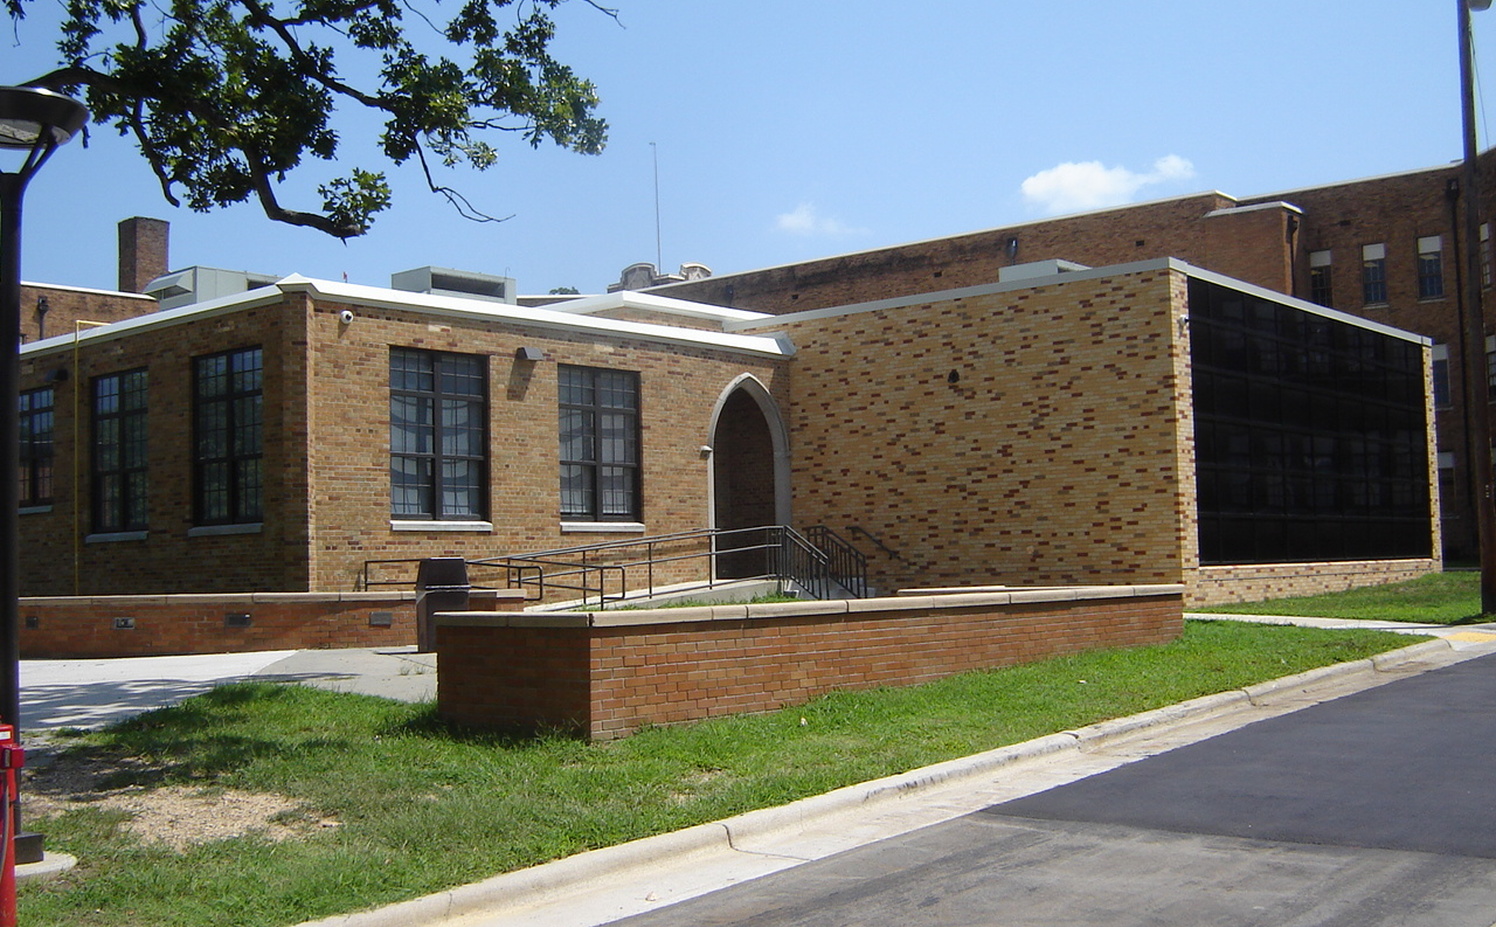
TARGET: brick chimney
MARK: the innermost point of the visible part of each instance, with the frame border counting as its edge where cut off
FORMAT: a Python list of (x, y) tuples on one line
[(142, 252)]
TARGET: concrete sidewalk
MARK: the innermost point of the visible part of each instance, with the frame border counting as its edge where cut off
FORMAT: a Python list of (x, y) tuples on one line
[(91, 693)]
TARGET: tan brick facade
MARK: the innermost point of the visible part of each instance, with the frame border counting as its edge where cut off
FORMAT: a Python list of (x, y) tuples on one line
[(327, 446), (1034, 435)]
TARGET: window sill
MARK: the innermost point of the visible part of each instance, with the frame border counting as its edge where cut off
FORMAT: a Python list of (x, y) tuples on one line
[(110, 537), (474, 527), (34, 509), (210, 531), (602, 527)]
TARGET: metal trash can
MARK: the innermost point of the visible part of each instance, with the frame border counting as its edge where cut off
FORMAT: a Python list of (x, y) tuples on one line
[(441, 586)]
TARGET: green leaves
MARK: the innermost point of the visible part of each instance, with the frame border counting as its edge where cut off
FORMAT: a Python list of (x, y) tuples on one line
[(226, 97)]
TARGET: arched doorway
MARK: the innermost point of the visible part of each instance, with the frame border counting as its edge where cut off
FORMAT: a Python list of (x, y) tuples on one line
[(750, 475)]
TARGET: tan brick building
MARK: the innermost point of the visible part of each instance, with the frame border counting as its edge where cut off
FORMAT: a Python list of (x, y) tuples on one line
[(1140, 423), (1387, 248)]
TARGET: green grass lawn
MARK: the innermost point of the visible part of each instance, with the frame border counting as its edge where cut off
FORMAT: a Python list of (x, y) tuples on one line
[(418, 808), (1438, 598)]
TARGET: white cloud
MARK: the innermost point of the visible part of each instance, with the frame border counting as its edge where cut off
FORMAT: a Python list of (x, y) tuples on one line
[(806, 220), (1073, 187)]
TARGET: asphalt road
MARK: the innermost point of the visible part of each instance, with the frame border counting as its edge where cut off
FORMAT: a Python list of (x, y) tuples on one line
[(1378, 808)]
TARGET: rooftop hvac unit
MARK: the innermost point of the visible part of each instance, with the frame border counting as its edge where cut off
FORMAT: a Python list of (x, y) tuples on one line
[(443, 282)]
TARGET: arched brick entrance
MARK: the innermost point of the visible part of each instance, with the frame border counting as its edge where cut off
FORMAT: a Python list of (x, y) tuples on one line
[(749, 475)]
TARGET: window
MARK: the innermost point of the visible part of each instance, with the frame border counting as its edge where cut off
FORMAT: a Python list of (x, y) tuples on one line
[(228, 476), (1485, 254), (36, 447), (1430, 267), (1491, 365), (1374, 274), (599, 444), (119, 452), (438, 435), (1310, 434), (1319, 278), (1442, 398)]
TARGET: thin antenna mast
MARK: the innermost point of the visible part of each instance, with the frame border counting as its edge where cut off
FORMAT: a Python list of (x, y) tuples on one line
[(659, 250)]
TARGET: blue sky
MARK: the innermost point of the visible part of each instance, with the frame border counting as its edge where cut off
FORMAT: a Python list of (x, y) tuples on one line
[(787, 130)]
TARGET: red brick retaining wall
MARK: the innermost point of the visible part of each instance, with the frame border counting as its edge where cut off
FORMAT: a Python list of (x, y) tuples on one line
[(141, 625), (604, 674)]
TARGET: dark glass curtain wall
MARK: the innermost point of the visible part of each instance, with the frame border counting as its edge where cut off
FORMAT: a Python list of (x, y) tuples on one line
[(1310, 435)]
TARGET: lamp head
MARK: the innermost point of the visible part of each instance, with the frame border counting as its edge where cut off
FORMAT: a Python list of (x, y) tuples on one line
[(30, 116)]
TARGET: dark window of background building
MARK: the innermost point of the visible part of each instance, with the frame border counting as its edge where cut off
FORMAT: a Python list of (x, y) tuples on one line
[(119, 452), (1311, 435), (1320, 290), (438, 435), (36, 446), (1430, 267), (1374, 274), (228, 435), (599, 431)]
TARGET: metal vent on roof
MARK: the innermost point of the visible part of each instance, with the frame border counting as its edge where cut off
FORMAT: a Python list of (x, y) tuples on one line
[(444, 282)]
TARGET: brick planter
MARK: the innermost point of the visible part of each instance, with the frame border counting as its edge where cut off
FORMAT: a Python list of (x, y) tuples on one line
[(604, 674)]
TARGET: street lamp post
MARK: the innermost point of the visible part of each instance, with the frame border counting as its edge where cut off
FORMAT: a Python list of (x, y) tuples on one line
[(1477, 390), (33, 122)]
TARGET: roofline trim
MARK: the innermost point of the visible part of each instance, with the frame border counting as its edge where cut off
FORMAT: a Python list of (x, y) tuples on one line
[(1094, 273), (429, 304)]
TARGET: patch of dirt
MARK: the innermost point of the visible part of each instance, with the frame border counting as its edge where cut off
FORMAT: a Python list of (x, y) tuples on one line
[(176, 816)]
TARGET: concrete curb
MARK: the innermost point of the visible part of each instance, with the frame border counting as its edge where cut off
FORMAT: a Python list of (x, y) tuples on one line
[(516, 888)]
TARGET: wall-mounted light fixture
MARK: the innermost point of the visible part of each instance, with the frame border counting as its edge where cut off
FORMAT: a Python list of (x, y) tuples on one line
[(346, 316), (529, 354)]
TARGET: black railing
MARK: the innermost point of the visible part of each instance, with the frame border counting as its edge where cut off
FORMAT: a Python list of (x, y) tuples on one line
[(819, 562)]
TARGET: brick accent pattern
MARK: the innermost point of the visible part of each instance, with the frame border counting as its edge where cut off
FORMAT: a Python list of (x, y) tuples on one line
[(605, 674), (1035, 436)]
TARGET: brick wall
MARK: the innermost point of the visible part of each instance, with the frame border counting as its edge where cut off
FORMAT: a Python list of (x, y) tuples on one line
[(1221, 585), (59, 553), (326, 448), (65, 306), (349, 460), (76, 627), (1169, 228), (1036, 435), (605, 674)]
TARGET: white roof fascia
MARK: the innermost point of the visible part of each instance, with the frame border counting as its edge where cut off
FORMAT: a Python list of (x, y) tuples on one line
[(1115, 270), (1251, 289), (62, 288), (425, 303), (539, 316)]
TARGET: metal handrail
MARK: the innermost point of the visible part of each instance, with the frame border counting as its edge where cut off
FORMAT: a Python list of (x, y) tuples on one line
[(819, 561)]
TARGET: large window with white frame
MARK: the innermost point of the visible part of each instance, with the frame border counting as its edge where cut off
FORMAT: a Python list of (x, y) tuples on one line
[(599, 432)]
